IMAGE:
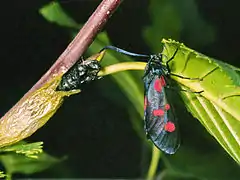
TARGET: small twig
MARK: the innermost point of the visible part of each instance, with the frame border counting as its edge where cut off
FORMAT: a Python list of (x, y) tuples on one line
[(79, 44)]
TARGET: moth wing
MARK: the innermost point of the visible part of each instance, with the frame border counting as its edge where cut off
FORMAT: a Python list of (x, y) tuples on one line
[(160, 123)]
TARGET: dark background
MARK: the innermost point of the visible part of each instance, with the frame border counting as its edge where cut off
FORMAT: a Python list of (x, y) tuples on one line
[(92, 130)]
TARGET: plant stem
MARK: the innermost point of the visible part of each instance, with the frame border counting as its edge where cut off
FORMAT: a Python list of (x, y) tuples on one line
[(81, 42), (154, 163), (122, 67)]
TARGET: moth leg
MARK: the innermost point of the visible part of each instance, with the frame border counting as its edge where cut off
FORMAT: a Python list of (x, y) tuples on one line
[(200, 78), (189, 78), (168, 68), (232, 94), (210, 72), (195, 92), (185, 90), (167, 63), (182, 77), (223, 98)]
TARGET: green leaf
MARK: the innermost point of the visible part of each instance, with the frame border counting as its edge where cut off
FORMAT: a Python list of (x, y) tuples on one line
[(15, 163), (54, 13), (217, 107), (26, 158), (2, 175), (30, 150)]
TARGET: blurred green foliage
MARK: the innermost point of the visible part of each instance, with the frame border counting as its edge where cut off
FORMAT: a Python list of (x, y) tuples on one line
[(26, 158), (172, 18)]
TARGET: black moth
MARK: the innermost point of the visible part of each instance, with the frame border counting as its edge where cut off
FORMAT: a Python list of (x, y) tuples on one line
[(79, 74), (159, 120)]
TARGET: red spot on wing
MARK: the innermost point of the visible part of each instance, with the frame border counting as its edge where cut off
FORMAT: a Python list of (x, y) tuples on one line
[(158, 112), (162, 81), (145, 103), (167, 106), (169, 127), (158, 85)]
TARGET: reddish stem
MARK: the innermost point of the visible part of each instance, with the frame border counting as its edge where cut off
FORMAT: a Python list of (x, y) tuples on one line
[(79, 44)]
